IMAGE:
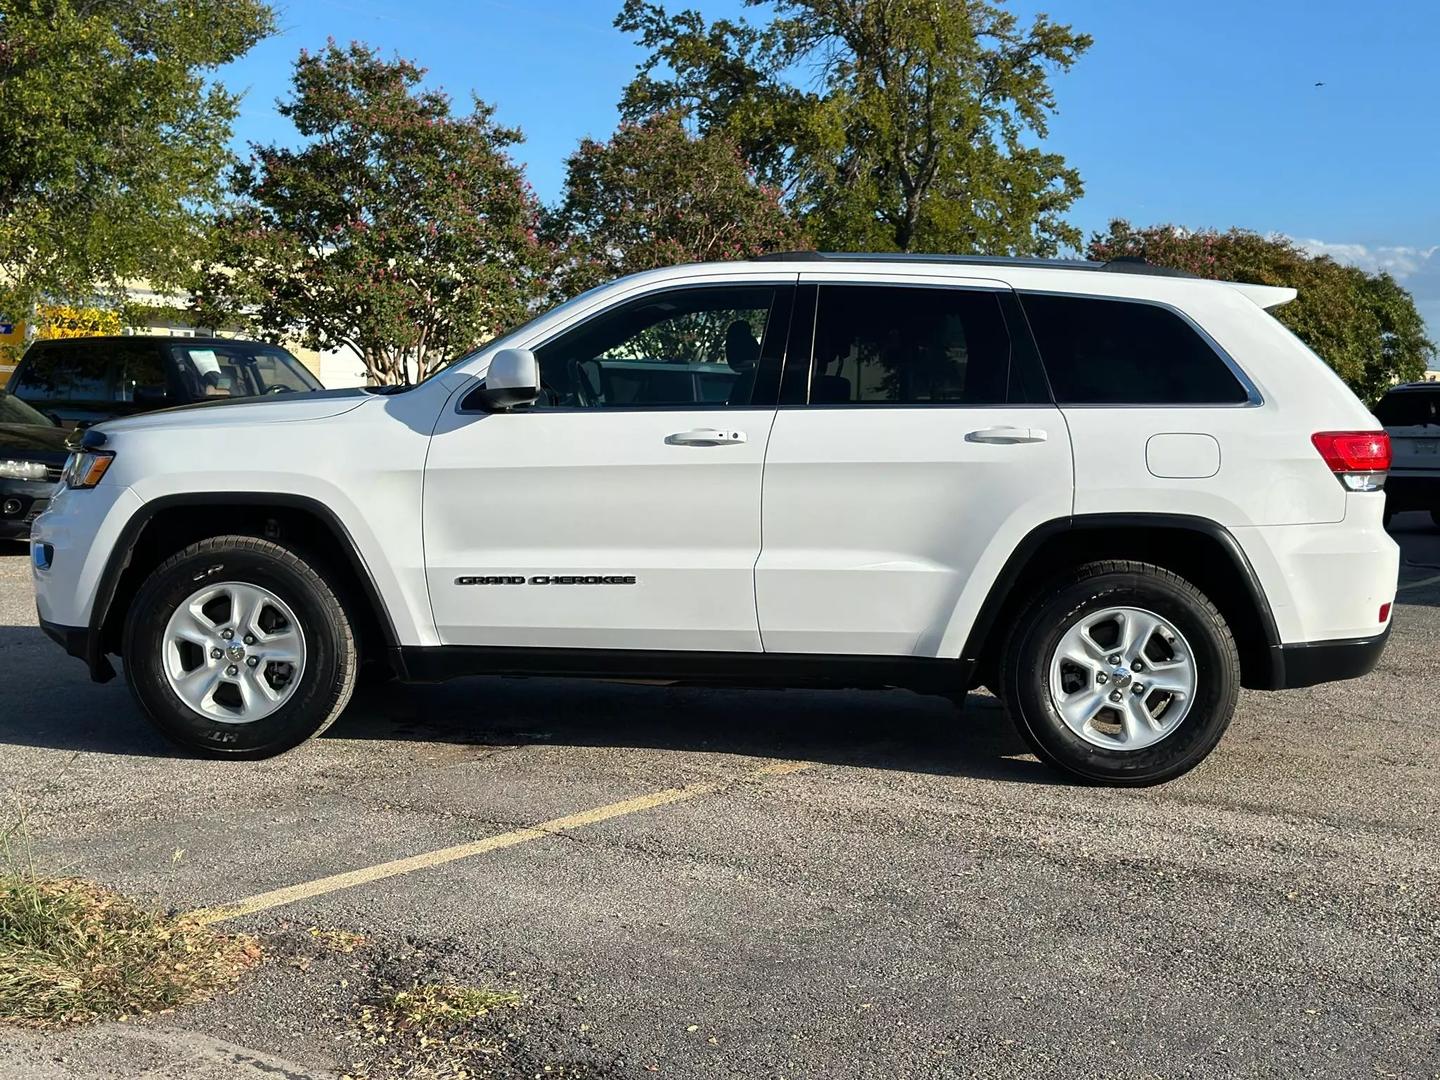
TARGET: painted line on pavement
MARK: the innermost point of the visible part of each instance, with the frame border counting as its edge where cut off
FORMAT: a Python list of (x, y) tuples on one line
[(306, 890)]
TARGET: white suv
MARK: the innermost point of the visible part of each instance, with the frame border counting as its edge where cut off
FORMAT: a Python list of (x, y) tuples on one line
[(1113, 495)]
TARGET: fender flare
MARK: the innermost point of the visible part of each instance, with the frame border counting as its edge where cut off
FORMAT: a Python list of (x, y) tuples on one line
[(101, 670), (1272, 676)]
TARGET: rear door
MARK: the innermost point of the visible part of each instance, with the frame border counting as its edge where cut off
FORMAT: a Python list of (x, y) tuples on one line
[(914, 448)]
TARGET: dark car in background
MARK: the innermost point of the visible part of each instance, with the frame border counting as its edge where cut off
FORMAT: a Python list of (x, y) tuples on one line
[(1411, 415), (32, 453), (82, 381)]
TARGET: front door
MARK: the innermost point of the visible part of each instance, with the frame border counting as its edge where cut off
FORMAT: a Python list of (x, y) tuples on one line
[(915, 447), (622, 510)]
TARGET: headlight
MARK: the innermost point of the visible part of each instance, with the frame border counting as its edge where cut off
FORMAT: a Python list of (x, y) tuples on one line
[(22, 470), (84, 468)]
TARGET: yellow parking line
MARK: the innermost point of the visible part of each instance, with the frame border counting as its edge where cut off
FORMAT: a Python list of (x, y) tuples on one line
[(351, 878), (1423, 581)]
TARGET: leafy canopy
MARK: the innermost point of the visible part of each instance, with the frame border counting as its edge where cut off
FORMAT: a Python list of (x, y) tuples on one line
[(914, 128), (654, 195), (114, 138), (1365, 326), (399, 228)]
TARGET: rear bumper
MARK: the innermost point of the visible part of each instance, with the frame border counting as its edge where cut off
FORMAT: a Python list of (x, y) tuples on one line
[(1318, 662)]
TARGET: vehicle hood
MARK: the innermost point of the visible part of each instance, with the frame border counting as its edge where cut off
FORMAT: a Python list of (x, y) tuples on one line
[(227, 412), (33, 442)]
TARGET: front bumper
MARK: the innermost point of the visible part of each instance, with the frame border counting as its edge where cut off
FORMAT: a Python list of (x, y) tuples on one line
[(82, 643), (1316, 662), (21, 502)]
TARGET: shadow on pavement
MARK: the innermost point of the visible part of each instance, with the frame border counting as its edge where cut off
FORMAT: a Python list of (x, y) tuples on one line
[(879, 729), (874, 729)]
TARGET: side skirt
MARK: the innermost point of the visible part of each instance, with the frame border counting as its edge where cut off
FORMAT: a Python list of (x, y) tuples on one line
[(924, 674)]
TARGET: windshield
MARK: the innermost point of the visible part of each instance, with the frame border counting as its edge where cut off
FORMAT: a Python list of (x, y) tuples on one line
[(240, 369), (15, 411)]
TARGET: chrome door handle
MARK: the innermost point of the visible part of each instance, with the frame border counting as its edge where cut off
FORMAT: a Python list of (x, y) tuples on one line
[(705, 437), (1007, 435)]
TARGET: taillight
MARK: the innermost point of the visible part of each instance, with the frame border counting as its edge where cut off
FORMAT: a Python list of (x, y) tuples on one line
[(1358, 458)]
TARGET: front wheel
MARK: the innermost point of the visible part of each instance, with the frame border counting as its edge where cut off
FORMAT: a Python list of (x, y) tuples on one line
[(238, 647), (1122, 672)]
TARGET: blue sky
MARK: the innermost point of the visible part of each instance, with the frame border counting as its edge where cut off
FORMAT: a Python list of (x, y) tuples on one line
[(1201, 114)]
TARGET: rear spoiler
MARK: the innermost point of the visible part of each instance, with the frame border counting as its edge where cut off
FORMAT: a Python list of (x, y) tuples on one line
[(1268, 297)]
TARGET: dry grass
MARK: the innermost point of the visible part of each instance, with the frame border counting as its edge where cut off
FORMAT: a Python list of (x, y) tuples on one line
[(433, 1030), (73, 951)]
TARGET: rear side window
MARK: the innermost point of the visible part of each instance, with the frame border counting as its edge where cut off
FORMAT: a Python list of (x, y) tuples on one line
[(65, 373), (1409, 408), (139, 372), (1119, 352), (899, 345)]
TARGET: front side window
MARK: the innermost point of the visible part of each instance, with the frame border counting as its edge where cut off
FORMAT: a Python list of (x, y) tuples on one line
[(903, 345), (139, 372), (685, 348), (1122, 352), (221, 368)]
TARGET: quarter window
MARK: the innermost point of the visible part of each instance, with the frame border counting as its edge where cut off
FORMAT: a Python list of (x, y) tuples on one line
[(681, 349), (66, 373), (1118, 352), (898, 345)]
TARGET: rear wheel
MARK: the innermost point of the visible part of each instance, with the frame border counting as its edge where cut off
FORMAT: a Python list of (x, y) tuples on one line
[(238, 647), (1121, 672)]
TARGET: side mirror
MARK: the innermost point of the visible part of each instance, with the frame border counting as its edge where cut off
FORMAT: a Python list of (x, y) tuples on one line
[(513, 379)]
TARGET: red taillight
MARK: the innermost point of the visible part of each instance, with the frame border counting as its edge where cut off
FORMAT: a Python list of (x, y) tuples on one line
[(1384, 612), (1358, 458)]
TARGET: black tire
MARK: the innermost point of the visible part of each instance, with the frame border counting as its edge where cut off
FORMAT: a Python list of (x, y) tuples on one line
[(1025, 661), (331, 661)]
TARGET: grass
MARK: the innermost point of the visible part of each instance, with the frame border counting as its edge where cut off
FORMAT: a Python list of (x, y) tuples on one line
[(73, 951), (437, 1030)]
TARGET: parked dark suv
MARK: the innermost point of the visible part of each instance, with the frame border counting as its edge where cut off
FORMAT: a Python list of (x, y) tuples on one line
[(81, 381), (1411, 414)]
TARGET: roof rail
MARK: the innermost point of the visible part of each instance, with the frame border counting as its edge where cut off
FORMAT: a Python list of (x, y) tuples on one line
[(1124, 264)]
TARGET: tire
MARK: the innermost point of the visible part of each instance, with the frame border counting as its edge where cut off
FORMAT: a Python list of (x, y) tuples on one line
[(1199, 655), (302, 620)]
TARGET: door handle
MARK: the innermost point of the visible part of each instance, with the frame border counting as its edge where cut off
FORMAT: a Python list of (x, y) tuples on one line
[(705, 437), (1006, 435)]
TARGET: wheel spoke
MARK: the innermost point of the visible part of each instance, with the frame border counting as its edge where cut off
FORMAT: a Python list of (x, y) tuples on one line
[(1139, 628), (246, 604), (283, 647), (197, 688), (1138, 723), (1080, 708)]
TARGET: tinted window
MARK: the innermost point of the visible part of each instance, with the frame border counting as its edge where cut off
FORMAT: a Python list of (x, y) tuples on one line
[(65, 372), (139, 372), (878, 345), (1117, 352), (1409, 408), (686, 348)]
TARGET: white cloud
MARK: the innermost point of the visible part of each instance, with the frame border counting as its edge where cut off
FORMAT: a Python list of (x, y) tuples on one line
[(1402, 262), (1416, 268)]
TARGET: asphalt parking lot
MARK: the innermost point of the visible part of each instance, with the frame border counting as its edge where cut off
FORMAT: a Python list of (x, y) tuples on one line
[(845, 885)]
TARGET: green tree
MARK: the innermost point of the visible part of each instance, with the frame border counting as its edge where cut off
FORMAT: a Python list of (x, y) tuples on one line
[(114, 139), (653, 196), (1365, 326), (917, 135), (398, 228)]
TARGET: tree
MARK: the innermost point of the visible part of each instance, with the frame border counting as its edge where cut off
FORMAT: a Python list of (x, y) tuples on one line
[(114, 139), (399, 229), (1365, 326), (653, 196), (917, 135)]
